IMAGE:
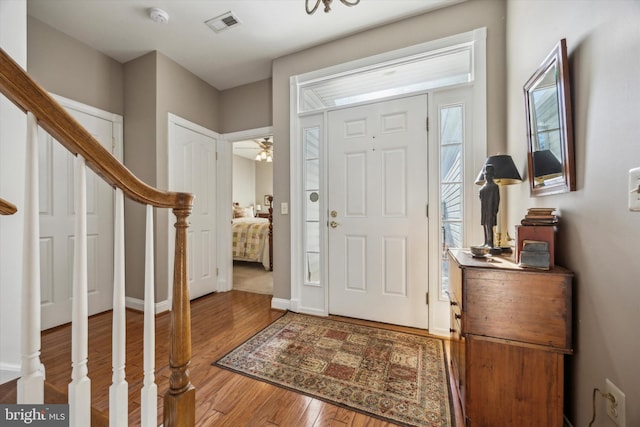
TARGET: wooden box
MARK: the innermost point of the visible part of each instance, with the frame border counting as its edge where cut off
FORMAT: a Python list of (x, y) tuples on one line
[(544, 233)]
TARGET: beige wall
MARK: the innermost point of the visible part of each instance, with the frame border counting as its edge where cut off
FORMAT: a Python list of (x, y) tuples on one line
[(244, 181), (144, 91), (264, 183), (598, 236), (246, 107), (441, 23), (69, 68), (139, 154), (179, 92)]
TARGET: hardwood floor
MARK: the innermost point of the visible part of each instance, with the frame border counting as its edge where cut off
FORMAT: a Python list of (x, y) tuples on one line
[(220, 322)]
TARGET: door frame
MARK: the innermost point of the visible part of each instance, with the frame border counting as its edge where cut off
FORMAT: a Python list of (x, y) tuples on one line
[(225, 198), (316, 302)]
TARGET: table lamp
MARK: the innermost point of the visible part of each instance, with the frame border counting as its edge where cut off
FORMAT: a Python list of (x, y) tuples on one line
[(504, 173)]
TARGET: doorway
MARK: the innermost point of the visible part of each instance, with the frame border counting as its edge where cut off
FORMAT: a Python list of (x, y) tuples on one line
[(252, 220), (435, 68)]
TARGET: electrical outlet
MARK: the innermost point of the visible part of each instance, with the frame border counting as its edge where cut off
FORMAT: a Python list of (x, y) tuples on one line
[(284, 208), (615, 410)]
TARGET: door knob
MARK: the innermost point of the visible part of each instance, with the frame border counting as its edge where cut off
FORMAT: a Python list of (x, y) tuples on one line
[(333, 224), (334, 214)]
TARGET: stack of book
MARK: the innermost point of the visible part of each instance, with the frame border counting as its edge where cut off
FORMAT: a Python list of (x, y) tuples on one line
[(540, 216), (535, 254)]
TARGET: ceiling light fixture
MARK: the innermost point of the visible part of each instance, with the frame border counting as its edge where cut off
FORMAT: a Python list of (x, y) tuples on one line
[(158, 15), (264, 154), (327, 5)]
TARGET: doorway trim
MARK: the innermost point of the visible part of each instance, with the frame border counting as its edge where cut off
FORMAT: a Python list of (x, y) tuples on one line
[(318, 305), (225, 196)]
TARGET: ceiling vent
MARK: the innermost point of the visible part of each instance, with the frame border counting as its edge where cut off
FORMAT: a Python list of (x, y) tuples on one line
[(222, 22)]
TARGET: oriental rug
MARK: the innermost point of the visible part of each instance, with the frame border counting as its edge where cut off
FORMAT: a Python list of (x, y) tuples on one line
[(397, 377)]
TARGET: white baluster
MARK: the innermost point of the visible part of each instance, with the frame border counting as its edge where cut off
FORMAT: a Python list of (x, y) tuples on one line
[(31, 383), (80, 386), (119, 390), (149, 393)]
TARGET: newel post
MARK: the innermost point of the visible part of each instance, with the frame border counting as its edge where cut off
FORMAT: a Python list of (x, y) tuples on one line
[(180, 399)]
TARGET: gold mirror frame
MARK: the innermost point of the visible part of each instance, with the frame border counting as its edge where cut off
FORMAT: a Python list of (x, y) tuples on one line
[(549, 126)]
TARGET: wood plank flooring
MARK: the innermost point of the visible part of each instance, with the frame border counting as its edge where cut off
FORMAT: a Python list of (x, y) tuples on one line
[(220, 322)]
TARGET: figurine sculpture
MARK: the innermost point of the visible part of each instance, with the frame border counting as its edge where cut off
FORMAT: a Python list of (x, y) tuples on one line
[(489, 201)]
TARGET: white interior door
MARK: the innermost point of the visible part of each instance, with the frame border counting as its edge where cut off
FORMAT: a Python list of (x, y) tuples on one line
[(57, 216), (193, 161), (377, 197)]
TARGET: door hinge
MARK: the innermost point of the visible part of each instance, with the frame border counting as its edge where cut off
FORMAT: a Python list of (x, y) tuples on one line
[(427, 123), (216, 155), (217, 271), (427, 210), (427, 298)]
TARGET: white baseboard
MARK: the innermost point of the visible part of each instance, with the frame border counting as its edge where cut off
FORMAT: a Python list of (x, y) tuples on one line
[(280, 304), (440, 332), (9, 372), (312, 311), (138, 304)]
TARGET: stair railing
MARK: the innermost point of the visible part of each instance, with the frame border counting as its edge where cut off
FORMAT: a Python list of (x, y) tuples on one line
[(179, 401)]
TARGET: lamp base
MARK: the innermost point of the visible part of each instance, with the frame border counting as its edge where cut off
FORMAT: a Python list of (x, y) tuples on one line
[(495, 251)]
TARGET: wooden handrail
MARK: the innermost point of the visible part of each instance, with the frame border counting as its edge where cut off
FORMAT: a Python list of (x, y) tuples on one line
[(7, 208), (27, 95)]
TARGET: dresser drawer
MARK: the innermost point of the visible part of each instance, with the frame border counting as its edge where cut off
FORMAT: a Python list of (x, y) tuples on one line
[(530, 307)]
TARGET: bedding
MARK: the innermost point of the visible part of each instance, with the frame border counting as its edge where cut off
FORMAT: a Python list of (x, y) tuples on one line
[(250, 240)]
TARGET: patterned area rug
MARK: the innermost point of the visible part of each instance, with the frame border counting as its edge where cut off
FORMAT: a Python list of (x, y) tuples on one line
[(394, 376)]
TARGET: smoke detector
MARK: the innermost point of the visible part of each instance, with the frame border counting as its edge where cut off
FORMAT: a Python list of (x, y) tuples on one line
[(158, 15)]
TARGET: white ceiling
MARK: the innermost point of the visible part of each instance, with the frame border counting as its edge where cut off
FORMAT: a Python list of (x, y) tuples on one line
[(241, 54)]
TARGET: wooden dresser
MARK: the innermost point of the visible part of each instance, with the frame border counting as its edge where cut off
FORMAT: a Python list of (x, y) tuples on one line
[(510, 331)]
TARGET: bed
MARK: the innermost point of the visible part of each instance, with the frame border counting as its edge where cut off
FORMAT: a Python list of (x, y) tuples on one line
[(252, 237)]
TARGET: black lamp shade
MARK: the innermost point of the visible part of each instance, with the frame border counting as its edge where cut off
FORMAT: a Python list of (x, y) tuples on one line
[(504, 170), (546, 164)]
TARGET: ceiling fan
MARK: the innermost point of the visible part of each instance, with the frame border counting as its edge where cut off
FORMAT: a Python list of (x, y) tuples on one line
[(266, 152), (262, 147)]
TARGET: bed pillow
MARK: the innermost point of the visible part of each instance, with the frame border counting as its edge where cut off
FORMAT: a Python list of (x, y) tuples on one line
[(239, 212)]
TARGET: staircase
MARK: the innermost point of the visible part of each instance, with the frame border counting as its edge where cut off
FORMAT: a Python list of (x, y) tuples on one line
[(31, 388)]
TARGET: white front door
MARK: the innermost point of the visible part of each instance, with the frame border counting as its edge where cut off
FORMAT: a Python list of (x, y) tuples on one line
[(57, 217), (193, 169), (377, 203)]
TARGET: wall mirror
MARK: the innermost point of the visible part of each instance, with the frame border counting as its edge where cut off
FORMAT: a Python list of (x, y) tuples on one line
[(549, 126)]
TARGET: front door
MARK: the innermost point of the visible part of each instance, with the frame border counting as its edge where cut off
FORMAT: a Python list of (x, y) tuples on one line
[(57, 219), (193, 162), (377, 203)]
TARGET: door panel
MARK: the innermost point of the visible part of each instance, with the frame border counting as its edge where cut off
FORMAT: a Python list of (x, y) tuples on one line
[(377, 178), (57, 219), (193, 170)]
